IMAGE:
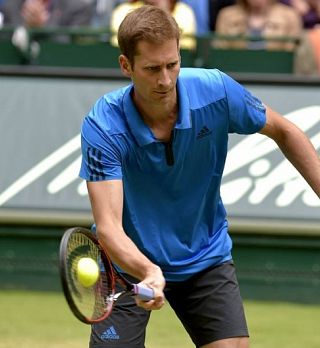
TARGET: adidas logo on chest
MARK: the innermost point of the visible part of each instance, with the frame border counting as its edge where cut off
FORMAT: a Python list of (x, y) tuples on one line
[(204, 132)]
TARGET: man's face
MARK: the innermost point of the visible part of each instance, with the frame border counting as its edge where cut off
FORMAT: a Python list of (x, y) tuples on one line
[(155, 72)]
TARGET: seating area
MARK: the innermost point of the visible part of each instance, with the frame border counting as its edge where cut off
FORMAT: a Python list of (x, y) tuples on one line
[(91, 48)]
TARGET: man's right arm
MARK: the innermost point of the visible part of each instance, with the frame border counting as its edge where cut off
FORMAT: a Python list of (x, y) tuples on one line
[(106, 199)]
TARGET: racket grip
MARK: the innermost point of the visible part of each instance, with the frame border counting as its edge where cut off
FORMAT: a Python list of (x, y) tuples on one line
[(143, 293)]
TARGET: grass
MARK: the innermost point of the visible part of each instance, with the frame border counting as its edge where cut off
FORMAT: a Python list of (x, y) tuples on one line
[(37, 320)]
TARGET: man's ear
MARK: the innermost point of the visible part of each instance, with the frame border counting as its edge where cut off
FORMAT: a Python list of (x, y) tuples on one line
[(125, 65)]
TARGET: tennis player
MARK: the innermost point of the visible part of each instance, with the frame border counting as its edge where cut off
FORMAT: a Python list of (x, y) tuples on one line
[(153, 157)]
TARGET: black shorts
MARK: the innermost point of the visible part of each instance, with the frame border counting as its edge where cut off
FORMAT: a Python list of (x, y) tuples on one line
[(208, 304)]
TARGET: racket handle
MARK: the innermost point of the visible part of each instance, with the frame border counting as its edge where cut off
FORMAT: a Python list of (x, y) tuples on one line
[(143, 293)]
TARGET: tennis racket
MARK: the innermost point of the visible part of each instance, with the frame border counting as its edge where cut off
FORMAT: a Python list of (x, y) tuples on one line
[(92, 304)]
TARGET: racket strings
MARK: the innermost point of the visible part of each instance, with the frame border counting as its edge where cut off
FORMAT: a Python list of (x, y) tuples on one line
[(91, 301)]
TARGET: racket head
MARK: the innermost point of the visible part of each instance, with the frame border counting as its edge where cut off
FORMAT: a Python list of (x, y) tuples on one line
[(90, 304)]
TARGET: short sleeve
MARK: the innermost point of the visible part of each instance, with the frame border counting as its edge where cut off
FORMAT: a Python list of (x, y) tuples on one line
[(101, 160), (247, 114)]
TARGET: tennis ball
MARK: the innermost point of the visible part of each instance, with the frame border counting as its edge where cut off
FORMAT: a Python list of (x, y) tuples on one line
[(87, 271)]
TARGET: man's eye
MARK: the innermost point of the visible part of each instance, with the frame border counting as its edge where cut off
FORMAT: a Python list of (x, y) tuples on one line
[(172, 65)]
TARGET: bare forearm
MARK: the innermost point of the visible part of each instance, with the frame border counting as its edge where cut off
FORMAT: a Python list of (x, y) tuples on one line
[(125, 254), (301, 153), (106, 199), (295, 145)]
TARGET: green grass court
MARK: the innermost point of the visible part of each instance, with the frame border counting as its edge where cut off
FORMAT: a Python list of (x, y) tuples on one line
[(40, 319)]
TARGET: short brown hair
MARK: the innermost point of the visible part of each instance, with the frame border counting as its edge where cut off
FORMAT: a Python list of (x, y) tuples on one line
[(146, 23)]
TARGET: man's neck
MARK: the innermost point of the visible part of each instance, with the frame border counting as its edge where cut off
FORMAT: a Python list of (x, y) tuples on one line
[(161, 119), (162, 124)]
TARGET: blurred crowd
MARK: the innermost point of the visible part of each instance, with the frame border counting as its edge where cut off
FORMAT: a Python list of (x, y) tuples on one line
[(291, 25)]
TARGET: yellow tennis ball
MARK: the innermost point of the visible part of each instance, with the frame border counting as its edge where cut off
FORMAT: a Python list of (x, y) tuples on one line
[(87, 271)]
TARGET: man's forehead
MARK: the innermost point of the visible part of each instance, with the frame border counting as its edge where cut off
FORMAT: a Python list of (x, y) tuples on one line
[(167, 50)]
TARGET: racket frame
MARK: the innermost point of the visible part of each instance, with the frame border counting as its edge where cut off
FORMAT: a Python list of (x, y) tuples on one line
[(63, 273), (111, 273)]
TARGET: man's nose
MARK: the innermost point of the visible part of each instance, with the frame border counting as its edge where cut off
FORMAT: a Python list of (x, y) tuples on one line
[(164, 78)]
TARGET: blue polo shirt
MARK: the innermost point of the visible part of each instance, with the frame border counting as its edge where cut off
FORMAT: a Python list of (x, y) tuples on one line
[(172, 206)]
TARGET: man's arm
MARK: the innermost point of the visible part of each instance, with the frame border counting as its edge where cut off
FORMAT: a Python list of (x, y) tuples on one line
[(107, 204), (296, 146)]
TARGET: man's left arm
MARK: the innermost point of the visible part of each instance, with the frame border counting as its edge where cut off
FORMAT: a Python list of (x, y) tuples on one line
[(295, 145)]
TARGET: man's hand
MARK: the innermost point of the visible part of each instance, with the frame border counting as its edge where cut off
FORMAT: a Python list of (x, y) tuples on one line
[(155, 281)]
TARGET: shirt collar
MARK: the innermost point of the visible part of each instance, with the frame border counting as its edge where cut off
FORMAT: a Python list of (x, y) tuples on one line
[(140, 130)]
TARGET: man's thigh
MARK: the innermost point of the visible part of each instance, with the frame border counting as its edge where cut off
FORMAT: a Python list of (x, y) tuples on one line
[(125, 327), (209, 305)]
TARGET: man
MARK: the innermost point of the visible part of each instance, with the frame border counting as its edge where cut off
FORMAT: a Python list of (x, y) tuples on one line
[(153, 157)]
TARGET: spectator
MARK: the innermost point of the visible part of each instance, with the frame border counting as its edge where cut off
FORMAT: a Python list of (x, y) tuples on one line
[(307, 60), (41, 13), (256, 19), (232, 22), (24, 14), (102, 14), (118, 14), (314, 36), (201, 12), (308, 53), (282, 23), (214, 8), (309, 11), (182, 13)]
